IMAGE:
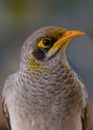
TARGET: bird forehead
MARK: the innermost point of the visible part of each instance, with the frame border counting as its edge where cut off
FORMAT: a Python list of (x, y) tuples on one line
[(51, 32)]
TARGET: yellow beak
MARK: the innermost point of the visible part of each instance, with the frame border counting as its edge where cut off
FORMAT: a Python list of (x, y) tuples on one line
[(63, 41)]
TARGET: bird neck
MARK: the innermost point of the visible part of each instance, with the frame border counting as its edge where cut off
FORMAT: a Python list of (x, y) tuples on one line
[(48, 72)]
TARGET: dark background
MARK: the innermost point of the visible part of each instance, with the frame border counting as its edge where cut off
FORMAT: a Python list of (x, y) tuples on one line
[(19, 18)]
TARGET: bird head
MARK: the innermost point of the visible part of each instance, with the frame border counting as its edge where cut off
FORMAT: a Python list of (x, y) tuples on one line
[(46, 46)]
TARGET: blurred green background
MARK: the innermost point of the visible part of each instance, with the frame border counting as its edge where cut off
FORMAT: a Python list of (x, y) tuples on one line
[(19, 18)]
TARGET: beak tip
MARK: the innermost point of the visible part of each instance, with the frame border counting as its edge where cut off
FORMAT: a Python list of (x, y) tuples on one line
[(77, 33), (83, 33)]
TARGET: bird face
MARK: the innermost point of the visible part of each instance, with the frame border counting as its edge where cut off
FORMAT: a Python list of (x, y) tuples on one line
[(46, 44)]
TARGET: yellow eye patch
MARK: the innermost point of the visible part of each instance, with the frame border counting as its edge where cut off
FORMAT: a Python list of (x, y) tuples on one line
[(45, 43)]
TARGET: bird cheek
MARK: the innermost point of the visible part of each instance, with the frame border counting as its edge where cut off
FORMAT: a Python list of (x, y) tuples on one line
[(32, 63)]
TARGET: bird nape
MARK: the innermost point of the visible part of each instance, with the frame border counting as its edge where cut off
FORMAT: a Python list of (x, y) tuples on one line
[(45, 93)]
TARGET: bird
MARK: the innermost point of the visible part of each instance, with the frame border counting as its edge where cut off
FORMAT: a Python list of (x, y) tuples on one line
[(45, 93)]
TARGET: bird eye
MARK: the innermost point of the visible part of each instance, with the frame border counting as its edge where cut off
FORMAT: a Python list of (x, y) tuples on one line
[(45, 43)]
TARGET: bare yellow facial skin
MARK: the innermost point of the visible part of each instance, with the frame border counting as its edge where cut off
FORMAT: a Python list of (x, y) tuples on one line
[(41, 43)]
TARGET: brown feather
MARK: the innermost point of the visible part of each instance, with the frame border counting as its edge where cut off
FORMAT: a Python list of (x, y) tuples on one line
[(85, 117), (6, 114)]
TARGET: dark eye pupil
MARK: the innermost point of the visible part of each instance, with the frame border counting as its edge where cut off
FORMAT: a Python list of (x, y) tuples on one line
[(47, 42)]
